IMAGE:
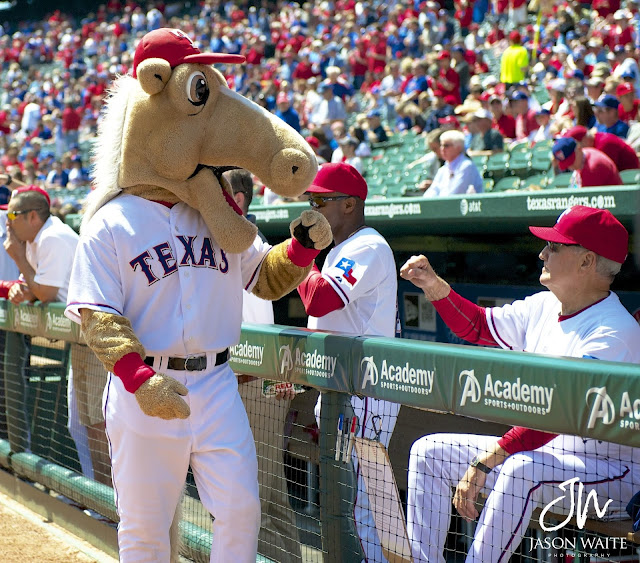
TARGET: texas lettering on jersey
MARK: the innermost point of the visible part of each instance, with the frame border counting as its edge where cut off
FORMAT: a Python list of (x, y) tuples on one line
[(195, 254)]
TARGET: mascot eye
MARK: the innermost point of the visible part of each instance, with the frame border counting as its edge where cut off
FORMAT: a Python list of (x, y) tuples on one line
[(197, 89)]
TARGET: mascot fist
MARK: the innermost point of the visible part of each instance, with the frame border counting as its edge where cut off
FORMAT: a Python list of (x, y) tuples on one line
[(161, 396), (311, 230)]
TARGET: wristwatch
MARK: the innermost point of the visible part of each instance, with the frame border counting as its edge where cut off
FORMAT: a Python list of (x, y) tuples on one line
[(475, 462)]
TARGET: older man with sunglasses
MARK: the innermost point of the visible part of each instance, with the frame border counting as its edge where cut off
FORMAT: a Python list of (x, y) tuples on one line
[(354, 294), (580, 317)]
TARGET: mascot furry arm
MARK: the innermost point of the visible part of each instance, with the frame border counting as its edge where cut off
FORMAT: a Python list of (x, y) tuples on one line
[(168, 134)]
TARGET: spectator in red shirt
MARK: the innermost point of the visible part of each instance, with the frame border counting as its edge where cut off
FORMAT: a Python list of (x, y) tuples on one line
[(504, 123), (377, 54), (629, 104), (448, 80), (525, 117), (622, 154), (71, 120), (592, 167), (605, 7)]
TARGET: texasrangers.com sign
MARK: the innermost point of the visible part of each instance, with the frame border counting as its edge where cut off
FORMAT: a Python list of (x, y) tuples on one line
[(504, 394)]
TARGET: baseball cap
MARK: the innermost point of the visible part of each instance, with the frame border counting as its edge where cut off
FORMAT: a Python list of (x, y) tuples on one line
[(482, 114), (5, 196), (313, 141), (515, 37), (594, 229), (543, 111), (564, 151), (628, 74), (557, 84), (339, 177), (449, 120), (519, 95), (374, 113), (31, 188), (282, 98), (175, 47), (624, 88), (444, 54), (595, 81), (607, 101), (575, 73), (577, 132)]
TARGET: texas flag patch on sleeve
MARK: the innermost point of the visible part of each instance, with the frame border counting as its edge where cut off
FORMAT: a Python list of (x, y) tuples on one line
[(347, 267)]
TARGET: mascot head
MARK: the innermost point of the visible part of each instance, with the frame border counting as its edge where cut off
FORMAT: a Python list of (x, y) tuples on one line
[(171, 129)]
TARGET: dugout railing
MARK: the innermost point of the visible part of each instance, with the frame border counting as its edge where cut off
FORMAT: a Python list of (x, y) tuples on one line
[(588, 398)]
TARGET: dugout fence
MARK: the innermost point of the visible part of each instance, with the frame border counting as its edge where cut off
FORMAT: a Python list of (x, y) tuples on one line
[(313, 490)]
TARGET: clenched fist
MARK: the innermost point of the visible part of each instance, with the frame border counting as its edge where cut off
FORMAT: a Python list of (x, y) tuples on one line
[(311, 230)]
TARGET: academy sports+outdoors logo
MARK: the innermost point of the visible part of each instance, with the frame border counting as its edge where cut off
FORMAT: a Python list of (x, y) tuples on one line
[(603, 409), (404, 377), (247, 354), (504, 394), (58, 322), (26, 318), (312, 364)]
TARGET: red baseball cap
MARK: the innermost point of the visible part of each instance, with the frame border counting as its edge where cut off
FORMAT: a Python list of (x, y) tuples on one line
[(515, 37), (624, 88), (339, 177), (578, 132), (449, 120), (175, 47), (594, 229), (23, 189), (444, 54), (313, 141)]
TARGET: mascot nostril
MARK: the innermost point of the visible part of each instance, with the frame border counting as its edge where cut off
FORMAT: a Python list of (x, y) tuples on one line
[(157, 282)]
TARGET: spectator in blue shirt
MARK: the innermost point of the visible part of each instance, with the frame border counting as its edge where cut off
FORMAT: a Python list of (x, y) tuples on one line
[(286, 112), (606, 110), (459, 174)]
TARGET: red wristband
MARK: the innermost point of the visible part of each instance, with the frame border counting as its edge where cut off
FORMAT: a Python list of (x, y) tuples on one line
[(300, 255), (132, 371)]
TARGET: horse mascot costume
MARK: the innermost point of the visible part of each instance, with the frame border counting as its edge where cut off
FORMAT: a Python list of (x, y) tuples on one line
[(157, 282)]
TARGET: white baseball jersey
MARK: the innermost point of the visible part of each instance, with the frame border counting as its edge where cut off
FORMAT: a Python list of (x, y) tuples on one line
[(363, 272), (181, 292), (51, 255), (605, 330)]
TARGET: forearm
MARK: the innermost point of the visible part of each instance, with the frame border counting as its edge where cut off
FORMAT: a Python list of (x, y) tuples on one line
[(493, 456), (465, 319), (41, 292), (318, 296)]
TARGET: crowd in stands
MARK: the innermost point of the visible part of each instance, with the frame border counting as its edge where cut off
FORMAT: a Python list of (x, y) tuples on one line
[(348, 74)]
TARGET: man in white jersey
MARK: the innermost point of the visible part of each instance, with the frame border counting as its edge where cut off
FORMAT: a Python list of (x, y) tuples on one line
[(579, 317), (354, 294), (278, 538), (43, 248)]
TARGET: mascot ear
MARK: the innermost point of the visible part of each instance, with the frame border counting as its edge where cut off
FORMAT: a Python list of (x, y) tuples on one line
[(153, 75)]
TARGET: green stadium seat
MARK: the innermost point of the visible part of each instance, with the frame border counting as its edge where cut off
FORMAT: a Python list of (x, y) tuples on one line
[(519, 146), (541, 161), (480, 162), (535, 180), (488, 184), (631, 176), (520, 163), (508, 183), (497, 165), (561, 180)]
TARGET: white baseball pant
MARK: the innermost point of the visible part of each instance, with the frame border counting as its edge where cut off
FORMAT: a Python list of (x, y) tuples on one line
[(525, 481), (150, 458), (374, 415)]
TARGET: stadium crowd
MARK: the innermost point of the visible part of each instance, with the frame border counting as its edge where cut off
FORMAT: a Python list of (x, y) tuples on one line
[(347, 74)]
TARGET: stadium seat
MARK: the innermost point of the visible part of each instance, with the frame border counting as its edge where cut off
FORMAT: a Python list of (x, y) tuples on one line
[(520, 163), (497, 165), (541, 161), (518, 146), (488, 184), (535, 180), (508, 183), (561, 180), (631, 176)]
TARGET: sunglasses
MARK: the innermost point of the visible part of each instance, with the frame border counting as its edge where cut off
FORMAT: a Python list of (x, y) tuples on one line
[(13, 214), (317, 201), (555, 246)]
